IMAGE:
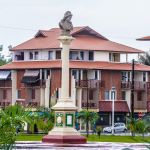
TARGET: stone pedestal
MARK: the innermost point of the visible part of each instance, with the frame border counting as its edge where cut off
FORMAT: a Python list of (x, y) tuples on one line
[(64, 130)]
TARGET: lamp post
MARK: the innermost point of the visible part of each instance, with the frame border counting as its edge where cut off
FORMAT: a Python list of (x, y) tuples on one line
[(132, 90), (113, 98)]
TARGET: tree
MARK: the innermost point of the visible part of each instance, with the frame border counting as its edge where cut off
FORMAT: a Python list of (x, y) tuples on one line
[(88, 117), (141, 127), (98, 131), (145, 59), (10, 118), (43, 118), (131, 125)]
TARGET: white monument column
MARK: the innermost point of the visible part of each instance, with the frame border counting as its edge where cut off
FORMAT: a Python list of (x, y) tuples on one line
[(64, 129)]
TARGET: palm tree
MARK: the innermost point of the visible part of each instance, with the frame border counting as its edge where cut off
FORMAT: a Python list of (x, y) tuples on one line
[(43, 118), (132, 125), (11, 118), (88, 117), (145, 59)]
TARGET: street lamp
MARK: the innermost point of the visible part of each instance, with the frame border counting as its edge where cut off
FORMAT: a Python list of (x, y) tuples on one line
[(113, 98)]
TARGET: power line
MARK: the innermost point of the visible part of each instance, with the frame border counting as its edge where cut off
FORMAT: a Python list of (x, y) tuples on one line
[(29, 29), (16, 28)]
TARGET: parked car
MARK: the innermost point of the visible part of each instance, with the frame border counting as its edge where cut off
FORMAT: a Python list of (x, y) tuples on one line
[(118, 127)]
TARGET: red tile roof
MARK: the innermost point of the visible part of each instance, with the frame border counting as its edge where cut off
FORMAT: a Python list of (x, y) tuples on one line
[(146, 38), (85, 39), (74, 64), (119, 106)]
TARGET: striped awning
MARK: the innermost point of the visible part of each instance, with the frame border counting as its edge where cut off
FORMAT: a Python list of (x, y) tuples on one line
[(4, 75), (31, 76)]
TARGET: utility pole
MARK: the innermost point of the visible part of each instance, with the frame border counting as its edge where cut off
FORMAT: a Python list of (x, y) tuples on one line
[(113, 99), (87, 100), (132, 90)]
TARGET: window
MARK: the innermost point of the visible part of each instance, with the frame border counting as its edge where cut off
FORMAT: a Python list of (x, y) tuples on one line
[(91, 55), (50, 55), (73, 55), (22, 56), (82, 55), (36, 55), (57, 93), (113, 95), (74, 73), (106, 95), (123, 95), (139, 95), (33, 94), (91, 94), (110, 57), (30, 55), (19, 94), (144, 76), (126, 76), (43, 74), (58, 54), (114, 57), (96, 74), (48, 73), (4, 94)]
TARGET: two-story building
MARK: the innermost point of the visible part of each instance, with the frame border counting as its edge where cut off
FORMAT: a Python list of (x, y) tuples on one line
[(34, 75)]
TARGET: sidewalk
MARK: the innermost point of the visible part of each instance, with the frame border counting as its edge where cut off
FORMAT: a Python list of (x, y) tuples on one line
[(89, 146)]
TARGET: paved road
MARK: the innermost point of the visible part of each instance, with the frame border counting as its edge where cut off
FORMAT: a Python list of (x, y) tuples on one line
[(88, 146)]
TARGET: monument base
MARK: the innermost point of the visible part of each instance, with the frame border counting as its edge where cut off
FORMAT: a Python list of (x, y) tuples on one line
[(64, 139)]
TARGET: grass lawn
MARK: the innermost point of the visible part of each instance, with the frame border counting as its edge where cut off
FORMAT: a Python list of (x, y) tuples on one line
[(93, 138)]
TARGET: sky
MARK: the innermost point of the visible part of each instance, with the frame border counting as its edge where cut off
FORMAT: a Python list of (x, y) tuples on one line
[(121, 21)]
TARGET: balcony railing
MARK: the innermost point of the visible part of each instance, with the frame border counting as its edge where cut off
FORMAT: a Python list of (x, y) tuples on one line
[(32, 103), (140, 105), (89, 83), (90, 105), (6, 84), (148, 106), (41, 83), (4, 103), (138, 85)]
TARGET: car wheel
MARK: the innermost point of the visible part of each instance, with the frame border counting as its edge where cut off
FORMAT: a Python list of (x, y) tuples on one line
[(125, 130)]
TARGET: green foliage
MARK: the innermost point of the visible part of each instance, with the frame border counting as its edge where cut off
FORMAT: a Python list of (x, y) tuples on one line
[(88, 117), (10, 118), (98, 131), (145, 59), (138, 126), (43, 118), (131, 125)]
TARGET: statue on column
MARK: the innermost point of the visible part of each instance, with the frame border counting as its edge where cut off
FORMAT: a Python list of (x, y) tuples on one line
[(65, 24)]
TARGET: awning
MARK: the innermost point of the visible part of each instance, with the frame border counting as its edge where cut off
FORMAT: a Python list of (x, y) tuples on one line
[(4, 75), (31, 76), (119, 106)]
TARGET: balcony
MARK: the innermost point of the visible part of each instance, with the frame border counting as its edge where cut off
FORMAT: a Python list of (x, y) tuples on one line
[(89, 83), (5, 84), (40, 83), (4, 103), (28, 103), (91, 105), (148, 106), (138, 85), (140, 105)]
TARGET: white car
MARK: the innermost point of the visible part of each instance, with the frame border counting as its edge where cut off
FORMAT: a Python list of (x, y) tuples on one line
[(118, 127)]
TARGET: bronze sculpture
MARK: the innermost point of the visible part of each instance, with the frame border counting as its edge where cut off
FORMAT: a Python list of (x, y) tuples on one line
[(65, 24)]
